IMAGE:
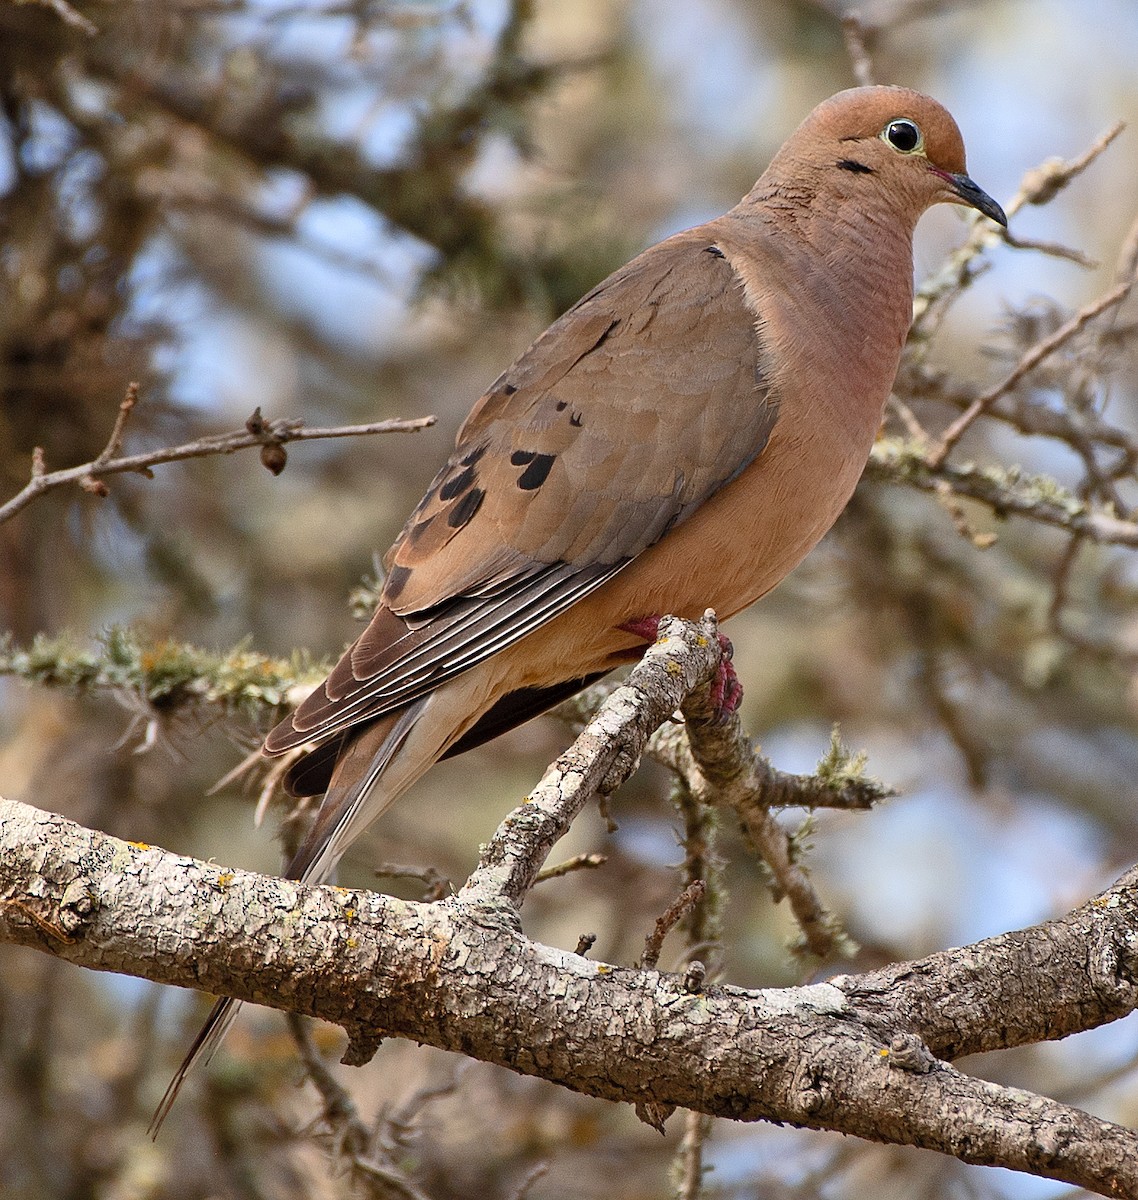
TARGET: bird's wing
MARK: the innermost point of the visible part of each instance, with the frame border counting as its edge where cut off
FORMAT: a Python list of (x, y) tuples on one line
[(633, 408)]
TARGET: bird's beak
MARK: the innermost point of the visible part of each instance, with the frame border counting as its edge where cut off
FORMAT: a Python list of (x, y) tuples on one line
[(974, 197)]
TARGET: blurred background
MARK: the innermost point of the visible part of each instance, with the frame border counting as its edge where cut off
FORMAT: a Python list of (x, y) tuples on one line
[(352, 210)]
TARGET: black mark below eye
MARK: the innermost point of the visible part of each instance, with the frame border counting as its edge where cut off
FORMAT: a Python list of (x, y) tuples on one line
[(848, 164)]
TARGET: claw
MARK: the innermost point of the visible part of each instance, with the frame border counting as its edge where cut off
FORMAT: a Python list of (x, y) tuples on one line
[(644, 627), (726, 690)]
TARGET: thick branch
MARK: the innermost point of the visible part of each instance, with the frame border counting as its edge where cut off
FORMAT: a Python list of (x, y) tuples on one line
[(843, 1056)]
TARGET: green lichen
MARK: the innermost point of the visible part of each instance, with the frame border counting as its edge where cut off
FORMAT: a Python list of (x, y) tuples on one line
[(165, 674)]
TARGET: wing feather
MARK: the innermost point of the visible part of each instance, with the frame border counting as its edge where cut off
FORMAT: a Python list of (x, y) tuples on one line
[(619, 421)]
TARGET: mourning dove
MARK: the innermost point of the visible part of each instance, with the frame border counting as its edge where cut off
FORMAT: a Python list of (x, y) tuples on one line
[(678, 440)]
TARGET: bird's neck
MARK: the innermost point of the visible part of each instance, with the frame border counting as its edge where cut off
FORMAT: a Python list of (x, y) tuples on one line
[(833, 289)]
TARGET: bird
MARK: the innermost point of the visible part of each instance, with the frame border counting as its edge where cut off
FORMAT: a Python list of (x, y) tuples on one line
[(678, 440)]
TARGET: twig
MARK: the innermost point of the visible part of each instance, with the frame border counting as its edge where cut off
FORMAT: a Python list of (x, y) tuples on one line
[(666, 922), (857, 34), (579, 862), (114, 443), (955, 510), (1027, 363), (67, 14), (369, 1157), (1042, 184), (1051, 249), (688, 1163), (722, 768), (278, 432), (1039, 185), (437, 884), (916, 431), (399, 1122), (339, 1108), (532, 1176), (585, 943)]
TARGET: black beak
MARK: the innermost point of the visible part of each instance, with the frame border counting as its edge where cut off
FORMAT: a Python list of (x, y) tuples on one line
[(972, 195)]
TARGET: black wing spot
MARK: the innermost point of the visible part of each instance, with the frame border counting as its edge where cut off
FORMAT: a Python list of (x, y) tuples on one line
[(562, 405), (456, 484), (396, 581), (418, 528), (575, 419), (469, 459), (849, 164), (536, 473), (464, 510), (510, 389), (521, 458)]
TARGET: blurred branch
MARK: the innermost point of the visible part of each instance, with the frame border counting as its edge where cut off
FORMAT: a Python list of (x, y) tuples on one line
[(1004, 490), (67, 14), (857, 37), (270, 436), (1040, 185), (373, 1158), (162, 676), (855, 1055), (1031, 359)]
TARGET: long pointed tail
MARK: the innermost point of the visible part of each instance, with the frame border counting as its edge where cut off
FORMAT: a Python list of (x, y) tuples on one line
[(350, 804)]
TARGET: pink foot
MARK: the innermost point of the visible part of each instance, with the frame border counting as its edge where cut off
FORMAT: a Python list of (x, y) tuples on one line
[(726, 690), (647, 628)]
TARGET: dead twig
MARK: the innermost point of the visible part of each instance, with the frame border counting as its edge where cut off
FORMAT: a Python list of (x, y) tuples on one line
[(1027, 363), (857, 35), (67, 14), (667, 921), (579, 862), (437, 884), (260, 433)]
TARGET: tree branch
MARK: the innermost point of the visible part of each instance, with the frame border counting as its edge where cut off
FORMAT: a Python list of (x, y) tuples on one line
[(601, 759), (855, 1055), (258, 432), (845, 1055)]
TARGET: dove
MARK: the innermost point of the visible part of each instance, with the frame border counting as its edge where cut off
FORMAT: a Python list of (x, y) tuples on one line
[(678, 440)]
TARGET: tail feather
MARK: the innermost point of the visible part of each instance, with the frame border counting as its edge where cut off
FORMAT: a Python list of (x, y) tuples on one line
[(216, 1026), (350, 804)]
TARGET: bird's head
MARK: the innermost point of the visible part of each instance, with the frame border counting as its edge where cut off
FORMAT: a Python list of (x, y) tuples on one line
[(899, 143)]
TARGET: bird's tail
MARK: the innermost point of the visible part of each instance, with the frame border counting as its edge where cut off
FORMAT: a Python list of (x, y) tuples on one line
[(350, 804)]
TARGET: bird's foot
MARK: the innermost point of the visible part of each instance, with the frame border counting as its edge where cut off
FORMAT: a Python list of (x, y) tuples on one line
[(647, 628), (726, 690)]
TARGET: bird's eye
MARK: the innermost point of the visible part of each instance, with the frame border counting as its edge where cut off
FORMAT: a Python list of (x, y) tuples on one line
[(904, 135)]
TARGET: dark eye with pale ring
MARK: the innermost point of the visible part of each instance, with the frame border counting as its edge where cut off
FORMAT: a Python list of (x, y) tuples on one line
[(903, 135)]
